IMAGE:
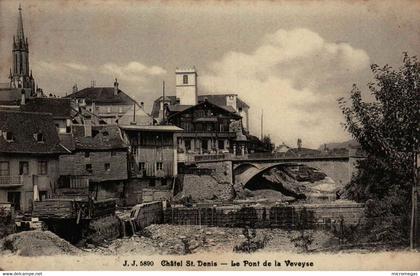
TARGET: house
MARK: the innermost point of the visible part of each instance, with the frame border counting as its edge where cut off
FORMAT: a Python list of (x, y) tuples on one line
[(29, 153), (207, 129), (187, 95), (152, 159), (283, 148), (108, 103), (212, 124), (96, 165)]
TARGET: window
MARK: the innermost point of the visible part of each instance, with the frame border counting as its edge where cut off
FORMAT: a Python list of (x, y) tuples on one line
[(221, 144), (14, 198), (164, 181), (187, 144), (108, 109), (185, 79), (89, 168), (9, 136), (4, 168), (113, 153), (152, 183), (107, 167), (120, 110), (39, 137), (42, 167), (204, 144), (141, 166), (87, 154), (159, 166), (23, 168)]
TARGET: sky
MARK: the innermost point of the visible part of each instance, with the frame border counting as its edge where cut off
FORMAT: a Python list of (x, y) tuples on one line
[(290, 60)]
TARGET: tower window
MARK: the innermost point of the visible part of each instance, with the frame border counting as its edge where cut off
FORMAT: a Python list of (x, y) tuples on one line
[(185, 79)]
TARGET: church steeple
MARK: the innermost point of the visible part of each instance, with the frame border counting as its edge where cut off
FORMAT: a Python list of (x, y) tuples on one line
[(20, 34), (20, 77)]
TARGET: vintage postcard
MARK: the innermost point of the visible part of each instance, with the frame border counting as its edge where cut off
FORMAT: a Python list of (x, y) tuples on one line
[(209, 135)]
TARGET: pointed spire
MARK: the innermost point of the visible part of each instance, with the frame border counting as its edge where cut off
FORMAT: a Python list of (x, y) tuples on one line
[(20, 34)]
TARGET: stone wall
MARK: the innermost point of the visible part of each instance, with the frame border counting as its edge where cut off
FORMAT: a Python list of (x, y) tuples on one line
[(212, 180), (139, 190), (147, 214), (310, 215), (75, 164)]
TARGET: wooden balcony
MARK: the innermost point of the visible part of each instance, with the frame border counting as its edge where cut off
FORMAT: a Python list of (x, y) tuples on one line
[(9, 181), (206, 134)]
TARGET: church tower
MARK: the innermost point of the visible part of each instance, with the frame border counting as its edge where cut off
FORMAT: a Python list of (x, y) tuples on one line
[(186, 86), (20, 75)]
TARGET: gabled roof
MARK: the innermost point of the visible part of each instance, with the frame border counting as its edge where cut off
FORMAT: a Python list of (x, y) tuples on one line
[(23, 126), (205, 103), (60, 108), (141, 117), (104, 137), (103, 95), (219, 100), (9, 96)]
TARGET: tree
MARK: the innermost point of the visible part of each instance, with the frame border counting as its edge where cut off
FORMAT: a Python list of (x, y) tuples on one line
[(388, 130), (268, 145)]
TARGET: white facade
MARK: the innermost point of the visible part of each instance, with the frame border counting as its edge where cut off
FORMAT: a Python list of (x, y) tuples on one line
[(186, 86)]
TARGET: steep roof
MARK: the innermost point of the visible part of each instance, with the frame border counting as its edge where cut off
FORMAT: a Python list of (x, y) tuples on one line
[(9, 96), (58, 107), (205, 103), (23, 127), (219, 100), (104, 137), (103, 95), (142, 118)]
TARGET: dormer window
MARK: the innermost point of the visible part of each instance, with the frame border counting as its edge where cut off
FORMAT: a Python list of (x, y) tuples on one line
[(39, 137), (185, 79)]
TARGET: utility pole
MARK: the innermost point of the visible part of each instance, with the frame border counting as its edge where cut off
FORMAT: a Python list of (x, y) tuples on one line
[(414, 229), (262, 124), (163, 103)]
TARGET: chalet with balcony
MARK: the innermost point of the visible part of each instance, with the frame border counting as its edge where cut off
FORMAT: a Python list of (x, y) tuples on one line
[(207, 129), (29, 152)]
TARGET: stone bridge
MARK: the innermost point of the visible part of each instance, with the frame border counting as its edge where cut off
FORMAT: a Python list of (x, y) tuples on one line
[(339, 168)]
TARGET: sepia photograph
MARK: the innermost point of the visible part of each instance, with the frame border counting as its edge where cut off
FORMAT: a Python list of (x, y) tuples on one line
[(209, 135)]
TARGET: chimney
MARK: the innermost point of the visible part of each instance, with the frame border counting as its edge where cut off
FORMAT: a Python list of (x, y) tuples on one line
[(116, 87), (88, 127), (23, 97), (75, 88), (134, 115)]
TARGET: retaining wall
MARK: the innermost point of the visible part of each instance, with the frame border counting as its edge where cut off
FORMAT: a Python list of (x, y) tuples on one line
[(291, 216), (147, 214)]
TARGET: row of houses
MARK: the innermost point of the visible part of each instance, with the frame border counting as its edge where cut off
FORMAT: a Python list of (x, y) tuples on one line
[(100, 143)]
